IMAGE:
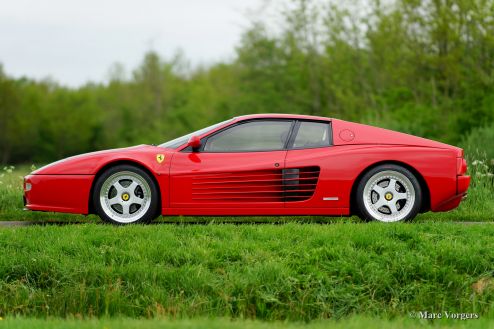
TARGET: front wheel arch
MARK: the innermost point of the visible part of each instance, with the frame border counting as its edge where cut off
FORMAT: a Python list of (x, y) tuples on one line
[(426, 199), (109, 165)]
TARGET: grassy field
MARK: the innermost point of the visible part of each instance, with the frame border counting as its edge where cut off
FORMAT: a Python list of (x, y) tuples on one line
[(296, 272), (299, 274), (221, 323)]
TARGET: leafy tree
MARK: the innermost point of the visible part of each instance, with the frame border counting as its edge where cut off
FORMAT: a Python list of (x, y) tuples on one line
[(421, 67)]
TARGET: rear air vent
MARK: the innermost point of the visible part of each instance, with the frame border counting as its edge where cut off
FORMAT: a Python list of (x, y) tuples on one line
[(294, 184), (299, 184)]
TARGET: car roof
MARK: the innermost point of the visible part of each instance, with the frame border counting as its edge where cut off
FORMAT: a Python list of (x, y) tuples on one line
[(280, 116)]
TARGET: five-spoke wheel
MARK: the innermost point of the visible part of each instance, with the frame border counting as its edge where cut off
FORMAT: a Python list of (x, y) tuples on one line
[(125, 194), (389, 193)]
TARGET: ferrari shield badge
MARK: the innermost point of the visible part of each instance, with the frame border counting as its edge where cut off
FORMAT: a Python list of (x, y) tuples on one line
[(160, 158)]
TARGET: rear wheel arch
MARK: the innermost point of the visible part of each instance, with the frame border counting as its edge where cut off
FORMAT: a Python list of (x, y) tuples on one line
[(426, 200), (109, 165)]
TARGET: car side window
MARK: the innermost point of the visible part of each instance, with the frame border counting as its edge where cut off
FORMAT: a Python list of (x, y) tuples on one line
[(312, 135), (259, 135)]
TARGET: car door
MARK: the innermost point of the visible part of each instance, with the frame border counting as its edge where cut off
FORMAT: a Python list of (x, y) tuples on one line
[(239, 167), (308, 164)]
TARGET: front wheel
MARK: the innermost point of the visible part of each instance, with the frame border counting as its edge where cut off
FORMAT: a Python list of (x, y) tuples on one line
[(125, 194), (389, 193)]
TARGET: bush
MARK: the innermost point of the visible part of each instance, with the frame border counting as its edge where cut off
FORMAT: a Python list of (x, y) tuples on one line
[(479, 145)]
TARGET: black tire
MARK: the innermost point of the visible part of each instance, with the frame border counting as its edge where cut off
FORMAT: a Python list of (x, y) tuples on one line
[(144, 216), (410, 210)]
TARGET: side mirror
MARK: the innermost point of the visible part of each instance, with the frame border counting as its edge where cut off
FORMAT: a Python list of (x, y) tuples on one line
[(194, 142)]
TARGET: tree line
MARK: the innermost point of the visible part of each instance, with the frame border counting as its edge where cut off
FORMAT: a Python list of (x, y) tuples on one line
[(420, 67)]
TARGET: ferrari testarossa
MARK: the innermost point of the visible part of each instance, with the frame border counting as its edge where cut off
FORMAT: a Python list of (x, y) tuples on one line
[(266, 164)]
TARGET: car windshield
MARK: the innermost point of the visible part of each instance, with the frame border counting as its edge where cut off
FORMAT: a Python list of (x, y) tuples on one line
[(174, 143)]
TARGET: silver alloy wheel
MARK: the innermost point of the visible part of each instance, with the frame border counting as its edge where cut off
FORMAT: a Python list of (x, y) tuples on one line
[(389, 196), (125, 197)]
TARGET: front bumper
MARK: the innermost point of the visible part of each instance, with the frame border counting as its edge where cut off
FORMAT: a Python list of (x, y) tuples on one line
[(58, 193)]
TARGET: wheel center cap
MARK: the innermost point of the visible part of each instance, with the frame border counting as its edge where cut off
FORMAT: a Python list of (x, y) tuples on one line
[(388, 196), (125, 196)]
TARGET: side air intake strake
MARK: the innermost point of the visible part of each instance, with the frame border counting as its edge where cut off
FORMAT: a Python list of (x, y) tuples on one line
[(294, 184)]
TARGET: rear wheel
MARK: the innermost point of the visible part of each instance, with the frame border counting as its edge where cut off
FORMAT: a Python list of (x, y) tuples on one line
[(125, 194), (389, 193)]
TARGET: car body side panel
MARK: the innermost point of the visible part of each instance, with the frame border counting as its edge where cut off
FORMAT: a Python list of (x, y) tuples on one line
[(255, 211), (342, 165), (161, 172), (226, 180)]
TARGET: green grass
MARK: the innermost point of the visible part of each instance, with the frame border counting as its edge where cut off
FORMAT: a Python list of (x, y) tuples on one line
[(295, 272), (240, 276), (221, 323)]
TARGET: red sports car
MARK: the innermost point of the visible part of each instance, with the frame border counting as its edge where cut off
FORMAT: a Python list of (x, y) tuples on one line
[(267, 164)]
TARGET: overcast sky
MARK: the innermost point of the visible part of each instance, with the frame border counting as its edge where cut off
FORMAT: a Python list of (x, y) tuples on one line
[(76, 41)]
